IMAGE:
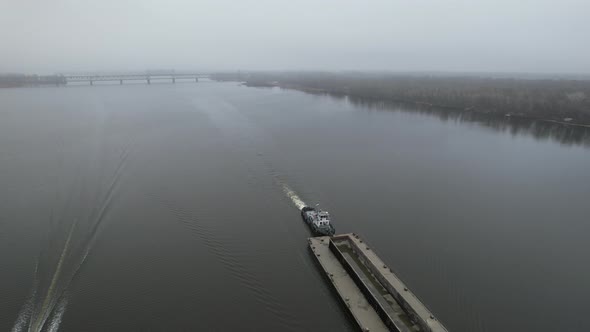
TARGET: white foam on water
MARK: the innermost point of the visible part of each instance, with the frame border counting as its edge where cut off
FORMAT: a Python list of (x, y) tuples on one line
[(59, 312), (299, 203), (24, 316), (49, 300), (53, 304), (23, 320)]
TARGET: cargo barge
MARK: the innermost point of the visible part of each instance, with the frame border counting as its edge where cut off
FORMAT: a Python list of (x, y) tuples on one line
[(374, 296)]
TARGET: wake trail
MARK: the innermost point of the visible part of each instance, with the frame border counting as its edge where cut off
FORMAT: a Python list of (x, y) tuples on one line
[(45, 308), (57, 317), (290, 193), (23, 319), (53, 295), (106, 204), (231, 259), (107, 201), (297, 201)]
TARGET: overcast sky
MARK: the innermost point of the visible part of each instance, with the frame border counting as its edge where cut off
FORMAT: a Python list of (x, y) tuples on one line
[(48, 36)]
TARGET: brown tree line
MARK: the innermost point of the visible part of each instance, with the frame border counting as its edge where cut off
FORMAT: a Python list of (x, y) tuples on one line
[(17, 80), (549, 99)]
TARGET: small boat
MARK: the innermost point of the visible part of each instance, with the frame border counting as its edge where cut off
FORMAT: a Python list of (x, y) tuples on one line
[(318, 221)]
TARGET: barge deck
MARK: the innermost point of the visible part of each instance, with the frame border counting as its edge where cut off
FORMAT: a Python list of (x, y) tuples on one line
[(374, 296)]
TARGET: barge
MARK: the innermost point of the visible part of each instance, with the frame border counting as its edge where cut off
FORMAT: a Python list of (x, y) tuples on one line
[(373, 295)]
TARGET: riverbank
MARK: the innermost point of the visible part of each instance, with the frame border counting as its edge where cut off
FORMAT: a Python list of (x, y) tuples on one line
[(22, 80), (565, 121), (562, 101)]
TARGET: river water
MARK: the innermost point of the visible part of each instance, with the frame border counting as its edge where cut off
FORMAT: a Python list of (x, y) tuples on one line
[(173, 207)]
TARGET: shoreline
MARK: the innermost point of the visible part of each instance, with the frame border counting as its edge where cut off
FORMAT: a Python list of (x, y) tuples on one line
[(472, 109)]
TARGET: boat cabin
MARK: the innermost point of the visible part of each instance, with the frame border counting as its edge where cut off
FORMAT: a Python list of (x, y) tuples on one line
[(322, 218)]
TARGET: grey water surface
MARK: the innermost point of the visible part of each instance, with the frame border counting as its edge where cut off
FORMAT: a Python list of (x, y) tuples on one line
[(162, 207)]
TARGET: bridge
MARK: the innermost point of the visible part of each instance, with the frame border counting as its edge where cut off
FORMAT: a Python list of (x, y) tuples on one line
[(148, 78)]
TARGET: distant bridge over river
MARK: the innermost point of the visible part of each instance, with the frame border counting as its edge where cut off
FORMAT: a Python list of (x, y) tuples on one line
[(148, 78)]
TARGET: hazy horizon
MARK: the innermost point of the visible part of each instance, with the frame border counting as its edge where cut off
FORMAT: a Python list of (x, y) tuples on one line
[(425, 36)]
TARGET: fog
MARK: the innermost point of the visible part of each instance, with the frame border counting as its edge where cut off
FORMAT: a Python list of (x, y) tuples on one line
[(39, 36)]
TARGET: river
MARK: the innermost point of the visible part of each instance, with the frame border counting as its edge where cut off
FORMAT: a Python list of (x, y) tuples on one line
[(170, 207)]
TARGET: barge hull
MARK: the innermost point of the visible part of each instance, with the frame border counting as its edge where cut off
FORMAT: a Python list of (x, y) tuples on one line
[(365, 317), (374, 296)]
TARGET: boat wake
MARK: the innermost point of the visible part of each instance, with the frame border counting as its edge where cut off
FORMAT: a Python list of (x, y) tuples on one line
[(297, 201), (53, 274), (49, 300), (24, 316), (59, 312), (231, 258)]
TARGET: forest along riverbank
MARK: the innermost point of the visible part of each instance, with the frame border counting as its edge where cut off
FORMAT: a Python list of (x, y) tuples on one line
[(22, 80), (558, 100)]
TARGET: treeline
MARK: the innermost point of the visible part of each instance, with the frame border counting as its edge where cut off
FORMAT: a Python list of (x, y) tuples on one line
[(17, 80), (559, 100)]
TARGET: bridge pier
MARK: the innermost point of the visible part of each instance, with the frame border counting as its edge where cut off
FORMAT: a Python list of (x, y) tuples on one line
[(121, 82), (148, 81), (91, 82), (173, 80), (196, 79)]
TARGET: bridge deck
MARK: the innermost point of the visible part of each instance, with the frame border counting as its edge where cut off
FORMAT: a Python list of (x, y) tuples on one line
[(132, 77)]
